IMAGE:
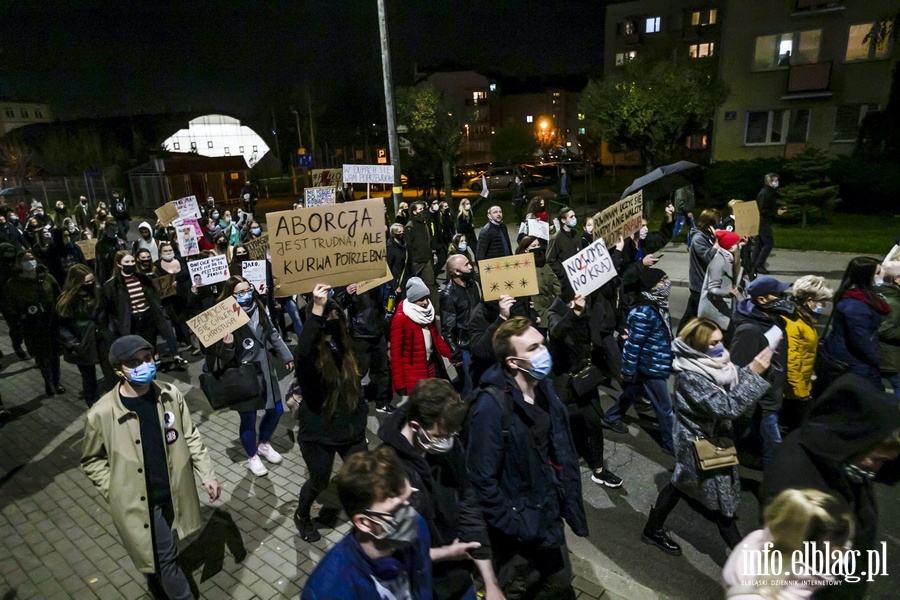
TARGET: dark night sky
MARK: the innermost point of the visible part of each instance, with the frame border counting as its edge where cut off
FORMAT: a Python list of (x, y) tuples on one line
[(105, 58)]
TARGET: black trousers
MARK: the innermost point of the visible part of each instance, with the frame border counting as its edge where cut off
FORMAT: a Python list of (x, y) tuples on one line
[(668, 499), (372, 355), (525, 570), (690, 311), (319, 459)]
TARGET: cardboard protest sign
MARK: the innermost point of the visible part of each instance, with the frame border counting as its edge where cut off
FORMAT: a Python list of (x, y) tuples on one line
[(212, 325), (631, 213), (589, 269), (319, 196), (365, 286), (187, 239), (746, 218), (254, 271), (256, 249), (88, 248), (537, 228), (508, 276), (607, 226), (167, 213), (332, 177), (165, 285), (187, 207), (207, 271), (335, 244), (369, 174)]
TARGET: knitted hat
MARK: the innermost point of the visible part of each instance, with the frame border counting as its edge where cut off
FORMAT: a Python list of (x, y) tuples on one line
[(416, 289), (727, 239), (650, 277)]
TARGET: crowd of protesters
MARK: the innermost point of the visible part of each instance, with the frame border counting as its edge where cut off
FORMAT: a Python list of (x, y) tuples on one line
[(485, 407)]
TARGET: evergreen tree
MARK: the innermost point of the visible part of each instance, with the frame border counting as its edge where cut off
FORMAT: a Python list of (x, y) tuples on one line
[(810, 190)]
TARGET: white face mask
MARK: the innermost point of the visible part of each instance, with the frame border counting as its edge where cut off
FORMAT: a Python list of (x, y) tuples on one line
[(643, 232), (589, 228), (434, 446), (572, 223)]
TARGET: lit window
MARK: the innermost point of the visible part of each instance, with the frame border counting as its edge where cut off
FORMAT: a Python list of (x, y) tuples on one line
[(696, 141), (861, 48), (581, 116), (23, 112), (209, 144), (651, 25), (254, 148), (784, 49), (624, 57), (568, 144), (581, 131), (10, 113), (38, 113), (776, 127), (701, 50), (529, 118), (493, 87), (703, 17), (556, 94), (848, 119), (176, 145), (478, 95), (629, 27)]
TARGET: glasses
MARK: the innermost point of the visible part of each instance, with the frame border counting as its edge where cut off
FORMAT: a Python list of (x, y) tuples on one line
[(136, 362), (385, 515)]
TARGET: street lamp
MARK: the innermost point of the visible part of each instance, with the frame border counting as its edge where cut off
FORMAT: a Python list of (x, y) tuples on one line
[(299, 135)]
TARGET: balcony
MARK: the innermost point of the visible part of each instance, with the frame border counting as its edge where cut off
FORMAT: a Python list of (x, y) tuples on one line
[(809, 81), (815, 7), (631, 39)]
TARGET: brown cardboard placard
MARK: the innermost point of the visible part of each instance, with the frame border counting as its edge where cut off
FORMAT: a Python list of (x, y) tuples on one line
[(165, 285), (508, 276), (167, 213), (256, 249), (746, 218), (335, 244), (631, 214), (88, 248), (212, 325), (365, 286)]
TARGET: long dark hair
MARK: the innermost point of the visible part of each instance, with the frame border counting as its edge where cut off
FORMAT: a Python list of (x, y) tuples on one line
[(70, 300), (227, 291), (860, 274), (342, 384), (534, 206)]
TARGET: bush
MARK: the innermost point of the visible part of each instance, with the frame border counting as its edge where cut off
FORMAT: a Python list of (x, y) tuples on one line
[(867, 186), (738, 179)]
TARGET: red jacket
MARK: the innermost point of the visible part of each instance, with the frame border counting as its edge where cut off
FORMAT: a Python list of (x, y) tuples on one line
[(408, 360)]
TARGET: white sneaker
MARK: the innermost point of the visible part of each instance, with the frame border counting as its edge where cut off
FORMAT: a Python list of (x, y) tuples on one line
[(257, 467), (269, 453)]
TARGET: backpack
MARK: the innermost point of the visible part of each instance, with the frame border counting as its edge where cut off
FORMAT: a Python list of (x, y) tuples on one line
[(505, 404)]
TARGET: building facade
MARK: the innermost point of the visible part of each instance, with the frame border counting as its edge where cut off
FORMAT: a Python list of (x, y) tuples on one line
[(472, 98), (801, 73), (18, 114), (549, 109)]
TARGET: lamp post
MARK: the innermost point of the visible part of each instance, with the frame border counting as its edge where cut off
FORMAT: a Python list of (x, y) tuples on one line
[(299, 135), (393, 142)]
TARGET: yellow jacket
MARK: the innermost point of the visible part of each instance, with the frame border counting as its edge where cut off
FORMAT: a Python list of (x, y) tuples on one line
[(113, 460), (802, 341)]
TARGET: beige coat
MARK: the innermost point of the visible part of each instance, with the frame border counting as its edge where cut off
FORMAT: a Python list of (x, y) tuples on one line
[(113, 459)]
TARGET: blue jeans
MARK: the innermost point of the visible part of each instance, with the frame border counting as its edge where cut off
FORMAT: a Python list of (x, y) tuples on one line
[(290, 307), (465, 373), (657, 390), (266, 427), (771, 435)]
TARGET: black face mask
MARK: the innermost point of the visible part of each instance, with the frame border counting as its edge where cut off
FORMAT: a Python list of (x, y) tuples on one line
[(240, 257), (146, 264), (88, 288), (467, 276), (333, 327), (127, 269)]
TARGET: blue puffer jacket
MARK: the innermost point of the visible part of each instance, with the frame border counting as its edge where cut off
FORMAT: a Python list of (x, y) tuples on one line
[(648, 349)]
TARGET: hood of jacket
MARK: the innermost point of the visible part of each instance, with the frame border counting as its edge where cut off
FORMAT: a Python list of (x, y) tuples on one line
[(391, 434), (850, 417), (746, 309), (147, 225)]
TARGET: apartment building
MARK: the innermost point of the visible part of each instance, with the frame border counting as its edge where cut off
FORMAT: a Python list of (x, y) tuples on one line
[(15, 114)]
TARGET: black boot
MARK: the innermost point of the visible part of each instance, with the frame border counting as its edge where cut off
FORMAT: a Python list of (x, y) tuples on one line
[(654, 534), (306, 528)]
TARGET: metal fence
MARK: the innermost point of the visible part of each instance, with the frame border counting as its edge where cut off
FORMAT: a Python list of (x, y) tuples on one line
[(49, 190)]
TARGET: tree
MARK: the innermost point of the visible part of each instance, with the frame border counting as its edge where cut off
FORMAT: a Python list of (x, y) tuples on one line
[(433, 129), (17, 161), (649, 107), (810, 190), (513, 143)]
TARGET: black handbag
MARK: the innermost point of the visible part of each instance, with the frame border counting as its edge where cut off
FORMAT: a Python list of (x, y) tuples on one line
[(85, 353), (826, 367), (585, 381), (229, 386)]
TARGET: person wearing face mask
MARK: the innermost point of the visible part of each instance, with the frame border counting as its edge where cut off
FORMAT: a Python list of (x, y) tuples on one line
[(98, 223), (332, 416), (524, 467), (131, 305), (61, 254), (176, 305), (402, 216), (33, 304), (719, 287), (439, 224), (60, 214), (637, 251), (238, 256), (423, 433), (10, 234), (465, 225), (767, 202), (386, 552), (37, 211), (250, 344), (397, 258), (848, 443), (459, 297), (83, 214), (564, 245), (146, 241), (710, 392), (119, 211), (420, 246), (149, 485), (7, 270), (493, 240), (809, 294), (22, 211), (753, 317), (417, 347), (587, 238), (108, 245), (252, 232), (77, 309), (230, 229), (647, 356)]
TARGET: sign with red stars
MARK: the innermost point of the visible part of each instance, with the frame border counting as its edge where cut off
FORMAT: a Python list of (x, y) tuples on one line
[(508, 276)]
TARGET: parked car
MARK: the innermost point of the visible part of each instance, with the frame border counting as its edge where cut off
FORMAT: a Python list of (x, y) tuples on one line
[(497, 178), (544, 174)]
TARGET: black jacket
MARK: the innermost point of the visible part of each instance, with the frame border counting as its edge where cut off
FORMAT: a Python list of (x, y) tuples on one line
[(851, 416), (418, 241), (520, 495), (32, 302), (10, 234), (749, 338), (563, 246), (457, 305), (105, 256), (483, 323), (118, 208), (766, 202), (117, 305), (493, 242), (315, 425), (569, 337), (398, 263), (365, 312)]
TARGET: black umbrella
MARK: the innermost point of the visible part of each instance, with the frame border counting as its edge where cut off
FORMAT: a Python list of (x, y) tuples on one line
[(14, 191), (665, 180)]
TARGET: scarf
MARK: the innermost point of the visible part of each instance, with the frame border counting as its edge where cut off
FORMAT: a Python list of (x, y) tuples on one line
[(728, 256), (660, 299), (873, 300), (721, 371), (418, 315)]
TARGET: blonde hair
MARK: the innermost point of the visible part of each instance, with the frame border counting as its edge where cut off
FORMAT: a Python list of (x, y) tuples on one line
[(811, 287), (697, 333), (798, 516)]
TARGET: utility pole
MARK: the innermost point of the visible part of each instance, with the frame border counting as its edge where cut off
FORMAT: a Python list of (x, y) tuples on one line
[(393, 142), (299, 135), (312, 132)]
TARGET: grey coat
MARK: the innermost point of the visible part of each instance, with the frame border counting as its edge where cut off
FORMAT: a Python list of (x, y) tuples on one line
[(703, 409), (716, 301)]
